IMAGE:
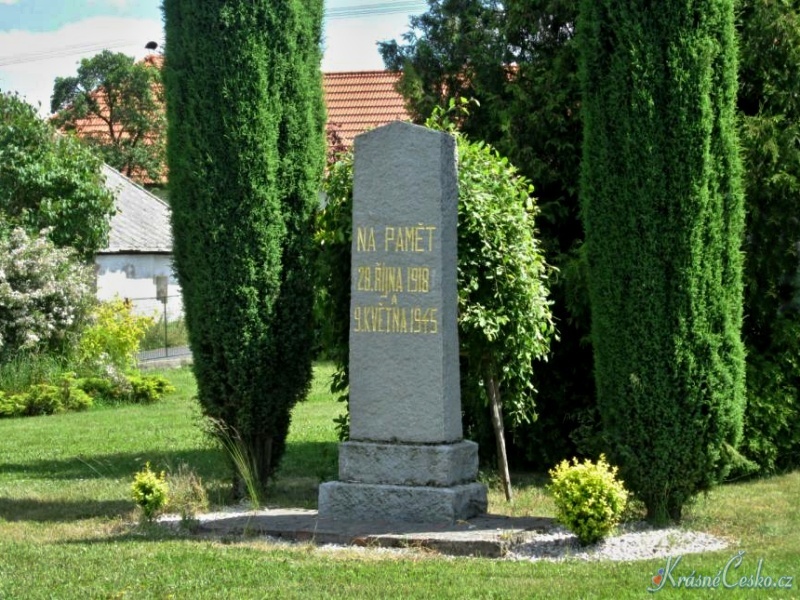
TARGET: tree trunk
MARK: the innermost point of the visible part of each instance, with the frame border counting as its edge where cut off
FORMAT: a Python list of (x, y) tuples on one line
[(496, 409)]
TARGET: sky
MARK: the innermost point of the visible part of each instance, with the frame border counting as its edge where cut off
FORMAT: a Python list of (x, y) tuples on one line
[(44, 39)]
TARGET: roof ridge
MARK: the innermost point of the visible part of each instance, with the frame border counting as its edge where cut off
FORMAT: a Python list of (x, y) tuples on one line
[(136, 184)]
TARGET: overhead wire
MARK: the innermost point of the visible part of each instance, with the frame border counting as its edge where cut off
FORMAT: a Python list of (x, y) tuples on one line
[(343, 12)]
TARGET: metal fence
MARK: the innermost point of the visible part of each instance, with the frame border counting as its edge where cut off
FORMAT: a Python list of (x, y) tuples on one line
[(166, 339)]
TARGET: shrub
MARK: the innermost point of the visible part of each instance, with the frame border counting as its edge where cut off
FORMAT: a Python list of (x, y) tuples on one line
[(46, 399), (11, 405), (45, 294), (126, 389), (244, 183), (589, 498), (146, 389), (150, 491), (112, 339)]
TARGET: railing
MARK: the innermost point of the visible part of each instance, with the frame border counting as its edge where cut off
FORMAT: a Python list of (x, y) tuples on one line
[(167, 338)]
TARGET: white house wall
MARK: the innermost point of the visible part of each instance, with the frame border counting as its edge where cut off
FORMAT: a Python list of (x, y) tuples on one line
[(133, 276)]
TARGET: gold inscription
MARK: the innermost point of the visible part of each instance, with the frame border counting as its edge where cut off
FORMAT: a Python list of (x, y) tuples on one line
[(395, 319), (365, 239), (418, 238), (385, 312)]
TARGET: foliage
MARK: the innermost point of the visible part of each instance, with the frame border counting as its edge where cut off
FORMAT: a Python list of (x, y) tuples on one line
[(111, 338), (333, 237), (664, 218), (45, 399), (45, 293), (246, 149), (504, 311), (126, 389), (150, 491), (241, 460), (50, 181), (68, 393), (187, 494), (530, 113), (23, 370), (769, 104), (589, 498), (126, 98)]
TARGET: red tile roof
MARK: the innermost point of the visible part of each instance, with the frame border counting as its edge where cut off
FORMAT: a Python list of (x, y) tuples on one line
[(356, 101), (361, 100)]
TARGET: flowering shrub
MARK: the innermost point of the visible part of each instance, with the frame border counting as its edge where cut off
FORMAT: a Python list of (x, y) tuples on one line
[(589, 498), (45, 293), (111, 340)]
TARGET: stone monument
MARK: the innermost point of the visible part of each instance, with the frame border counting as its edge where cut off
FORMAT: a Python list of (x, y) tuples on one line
[(406, 459)]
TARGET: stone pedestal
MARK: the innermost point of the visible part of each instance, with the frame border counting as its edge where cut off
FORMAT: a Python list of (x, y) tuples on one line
[(407, 460), (405, 482)]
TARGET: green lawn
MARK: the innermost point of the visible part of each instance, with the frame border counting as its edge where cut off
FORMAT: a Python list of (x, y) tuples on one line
[(68, 528)]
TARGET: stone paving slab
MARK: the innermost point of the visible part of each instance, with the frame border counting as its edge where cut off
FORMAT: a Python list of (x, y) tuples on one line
[(487, 535)]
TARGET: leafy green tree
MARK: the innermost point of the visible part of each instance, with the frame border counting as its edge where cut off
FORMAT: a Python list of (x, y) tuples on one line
[(504, 308), (664, 217), (769, 104), (124, 98), (50, 181), (246, 149), (519, 60)]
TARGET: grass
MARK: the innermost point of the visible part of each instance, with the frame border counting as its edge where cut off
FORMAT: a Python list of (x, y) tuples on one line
[(18, 374), (68, 528)]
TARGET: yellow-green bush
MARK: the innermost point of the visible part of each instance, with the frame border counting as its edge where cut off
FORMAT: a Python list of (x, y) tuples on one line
[(588, 496), (45, 399), (113, 337), (150, 491)]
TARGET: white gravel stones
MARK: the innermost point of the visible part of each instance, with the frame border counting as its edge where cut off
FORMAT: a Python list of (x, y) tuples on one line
[(636, 541)]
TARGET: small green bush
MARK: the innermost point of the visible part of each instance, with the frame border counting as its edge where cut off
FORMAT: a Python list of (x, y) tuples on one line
[(42, 399), (126, 389), (11, 405), (589, 498), (106, 390), (49, 399), (150, 491), (146, 389)]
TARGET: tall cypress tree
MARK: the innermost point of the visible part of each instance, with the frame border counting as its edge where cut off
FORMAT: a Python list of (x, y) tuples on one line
[(245, 154), (663, 210)]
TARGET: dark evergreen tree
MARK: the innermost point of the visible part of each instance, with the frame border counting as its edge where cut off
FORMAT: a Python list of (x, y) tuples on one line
[(664, 220), (769, 103), (246, 149)]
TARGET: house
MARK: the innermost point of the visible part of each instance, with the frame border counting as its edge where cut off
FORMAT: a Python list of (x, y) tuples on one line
[(138, 258), (139, 252), (356, 101)]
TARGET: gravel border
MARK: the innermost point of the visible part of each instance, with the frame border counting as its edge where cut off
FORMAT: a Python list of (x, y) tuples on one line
[(632, 542)]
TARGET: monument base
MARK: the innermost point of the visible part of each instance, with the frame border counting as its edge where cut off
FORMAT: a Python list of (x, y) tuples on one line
[(382, 502), (436, 465)]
